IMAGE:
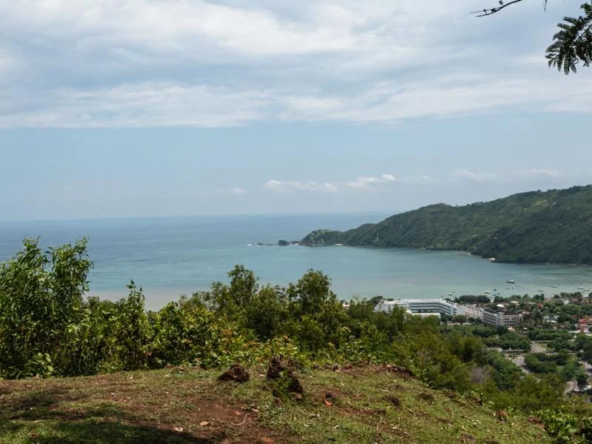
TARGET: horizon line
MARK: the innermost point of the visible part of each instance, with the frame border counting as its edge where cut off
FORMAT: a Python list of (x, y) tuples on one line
[(187, 216)]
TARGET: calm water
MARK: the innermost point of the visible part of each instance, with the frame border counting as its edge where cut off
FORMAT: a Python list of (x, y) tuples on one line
[(172, 256)]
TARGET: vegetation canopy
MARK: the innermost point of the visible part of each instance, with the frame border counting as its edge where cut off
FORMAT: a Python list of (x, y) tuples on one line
[(50, 328), (572, 44), (534, 227)]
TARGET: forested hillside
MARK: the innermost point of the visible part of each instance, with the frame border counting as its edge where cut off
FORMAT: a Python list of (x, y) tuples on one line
[(538, 227)]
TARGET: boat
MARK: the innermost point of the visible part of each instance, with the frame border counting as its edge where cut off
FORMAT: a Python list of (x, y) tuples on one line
[(511, 281), (488, 292)]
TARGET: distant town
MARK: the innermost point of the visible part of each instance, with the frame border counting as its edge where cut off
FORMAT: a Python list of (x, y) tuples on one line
[(541, 335)]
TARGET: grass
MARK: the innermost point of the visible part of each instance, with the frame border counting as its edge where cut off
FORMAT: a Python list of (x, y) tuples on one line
[(179, 405)]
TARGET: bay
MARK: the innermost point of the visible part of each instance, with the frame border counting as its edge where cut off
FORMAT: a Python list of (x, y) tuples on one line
[(173, 256)]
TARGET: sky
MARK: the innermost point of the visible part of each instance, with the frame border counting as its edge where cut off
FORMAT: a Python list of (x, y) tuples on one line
[(137, 108)]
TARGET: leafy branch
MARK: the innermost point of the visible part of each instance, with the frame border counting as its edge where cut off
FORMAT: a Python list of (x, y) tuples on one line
[(571, 45), (496, 9)]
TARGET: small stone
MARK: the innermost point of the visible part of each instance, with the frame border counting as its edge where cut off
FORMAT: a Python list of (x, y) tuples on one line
[(236, 373)]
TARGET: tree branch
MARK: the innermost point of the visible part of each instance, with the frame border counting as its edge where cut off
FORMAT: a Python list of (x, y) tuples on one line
[(486, 12)]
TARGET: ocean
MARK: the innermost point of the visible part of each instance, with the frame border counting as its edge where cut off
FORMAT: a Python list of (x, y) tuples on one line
[(173, 256)]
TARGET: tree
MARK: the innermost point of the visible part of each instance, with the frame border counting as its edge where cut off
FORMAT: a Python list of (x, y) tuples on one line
[(571, 45), (41, 308), (316, 314), (582, 379)]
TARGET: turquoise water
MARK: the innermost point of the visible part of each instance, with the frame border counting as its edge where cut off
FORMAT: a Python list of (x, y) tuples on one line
[(172, 256)]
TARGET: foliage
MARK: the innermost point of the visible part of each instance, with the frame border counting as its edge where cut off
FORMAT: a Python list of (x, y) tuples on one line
[(471, 299), (529, 394), (48, 327), (562, 426), (573, 43), (41, 309), (536, 227), (514, 341)]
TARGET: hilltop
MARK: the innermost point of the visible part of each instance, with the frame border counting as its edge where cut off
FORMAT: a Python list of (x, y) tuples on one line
[(535, 227), (187, 405)]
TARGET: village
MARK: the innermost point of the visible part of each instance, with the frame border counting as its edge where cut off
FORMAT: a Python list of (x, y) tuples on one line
[(539, 335)]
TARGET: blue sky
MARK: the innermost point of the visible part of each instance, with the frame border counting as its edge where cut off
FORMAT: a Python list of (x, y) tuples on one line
[(155, 108)]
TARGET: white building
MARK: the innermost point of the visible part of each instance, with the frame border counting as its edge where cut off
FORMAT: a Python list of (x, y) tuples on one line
[(430, 306), (501, 319)]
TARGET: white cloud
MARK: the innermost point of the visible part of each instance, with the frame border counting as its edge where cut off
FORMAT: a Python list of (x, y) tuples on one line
[(419, 180), (142, 105), (361, 183), (165, 104), (472, 175), (236, 191), (290, 186), (368, 182), (141, 63), (539, 172)]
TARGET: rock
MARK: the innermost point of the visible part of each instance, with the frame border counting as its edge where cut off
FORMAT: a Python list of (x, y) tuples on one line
[(236, 373), (426, 397), (278, 365), (394, 400), (280, 371), (405, 373), (295, 385), (275, 369), (501, 415), (537, 422)]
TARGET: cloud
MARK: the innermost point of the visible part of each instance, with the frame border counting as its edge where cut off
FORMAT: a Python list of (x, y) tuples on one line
[(539, 172), (143, 105), (291, 186), (236, 191), (368, 182), (193, 63), (472, 175), (166, 104), (419, 180), (361, 183)]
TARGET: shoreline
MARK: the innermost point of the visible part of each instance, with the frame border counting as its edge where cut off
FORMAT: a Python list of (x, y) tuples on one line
[(370, 247)]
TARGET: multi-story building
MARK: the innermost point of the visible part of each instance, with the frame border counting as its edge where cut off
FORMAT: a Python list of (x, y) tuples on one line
[(427, 306), (442, 307), (498, 319)]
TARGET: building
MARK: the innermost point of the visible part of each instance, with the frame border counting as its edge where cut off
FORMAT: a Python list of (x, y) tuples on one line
[(430, 306), (496, 319)]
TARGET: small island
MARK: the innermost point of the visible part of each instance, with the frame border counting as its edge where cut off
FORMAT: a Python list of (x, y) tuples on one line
[(280, 243)]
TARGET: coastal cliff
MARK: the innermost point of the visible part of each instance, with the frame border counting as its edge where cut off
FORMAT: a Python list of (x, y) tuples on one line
[(554, 226)]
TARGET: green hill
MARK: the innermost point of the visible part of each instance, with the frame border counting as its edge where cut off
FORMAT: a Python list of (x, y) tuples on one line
[(537, 227), (183, 405)]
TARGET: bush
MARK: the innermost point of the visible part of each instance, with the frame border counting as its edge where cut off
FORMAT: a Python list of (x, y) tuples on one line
[(41, 309)]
